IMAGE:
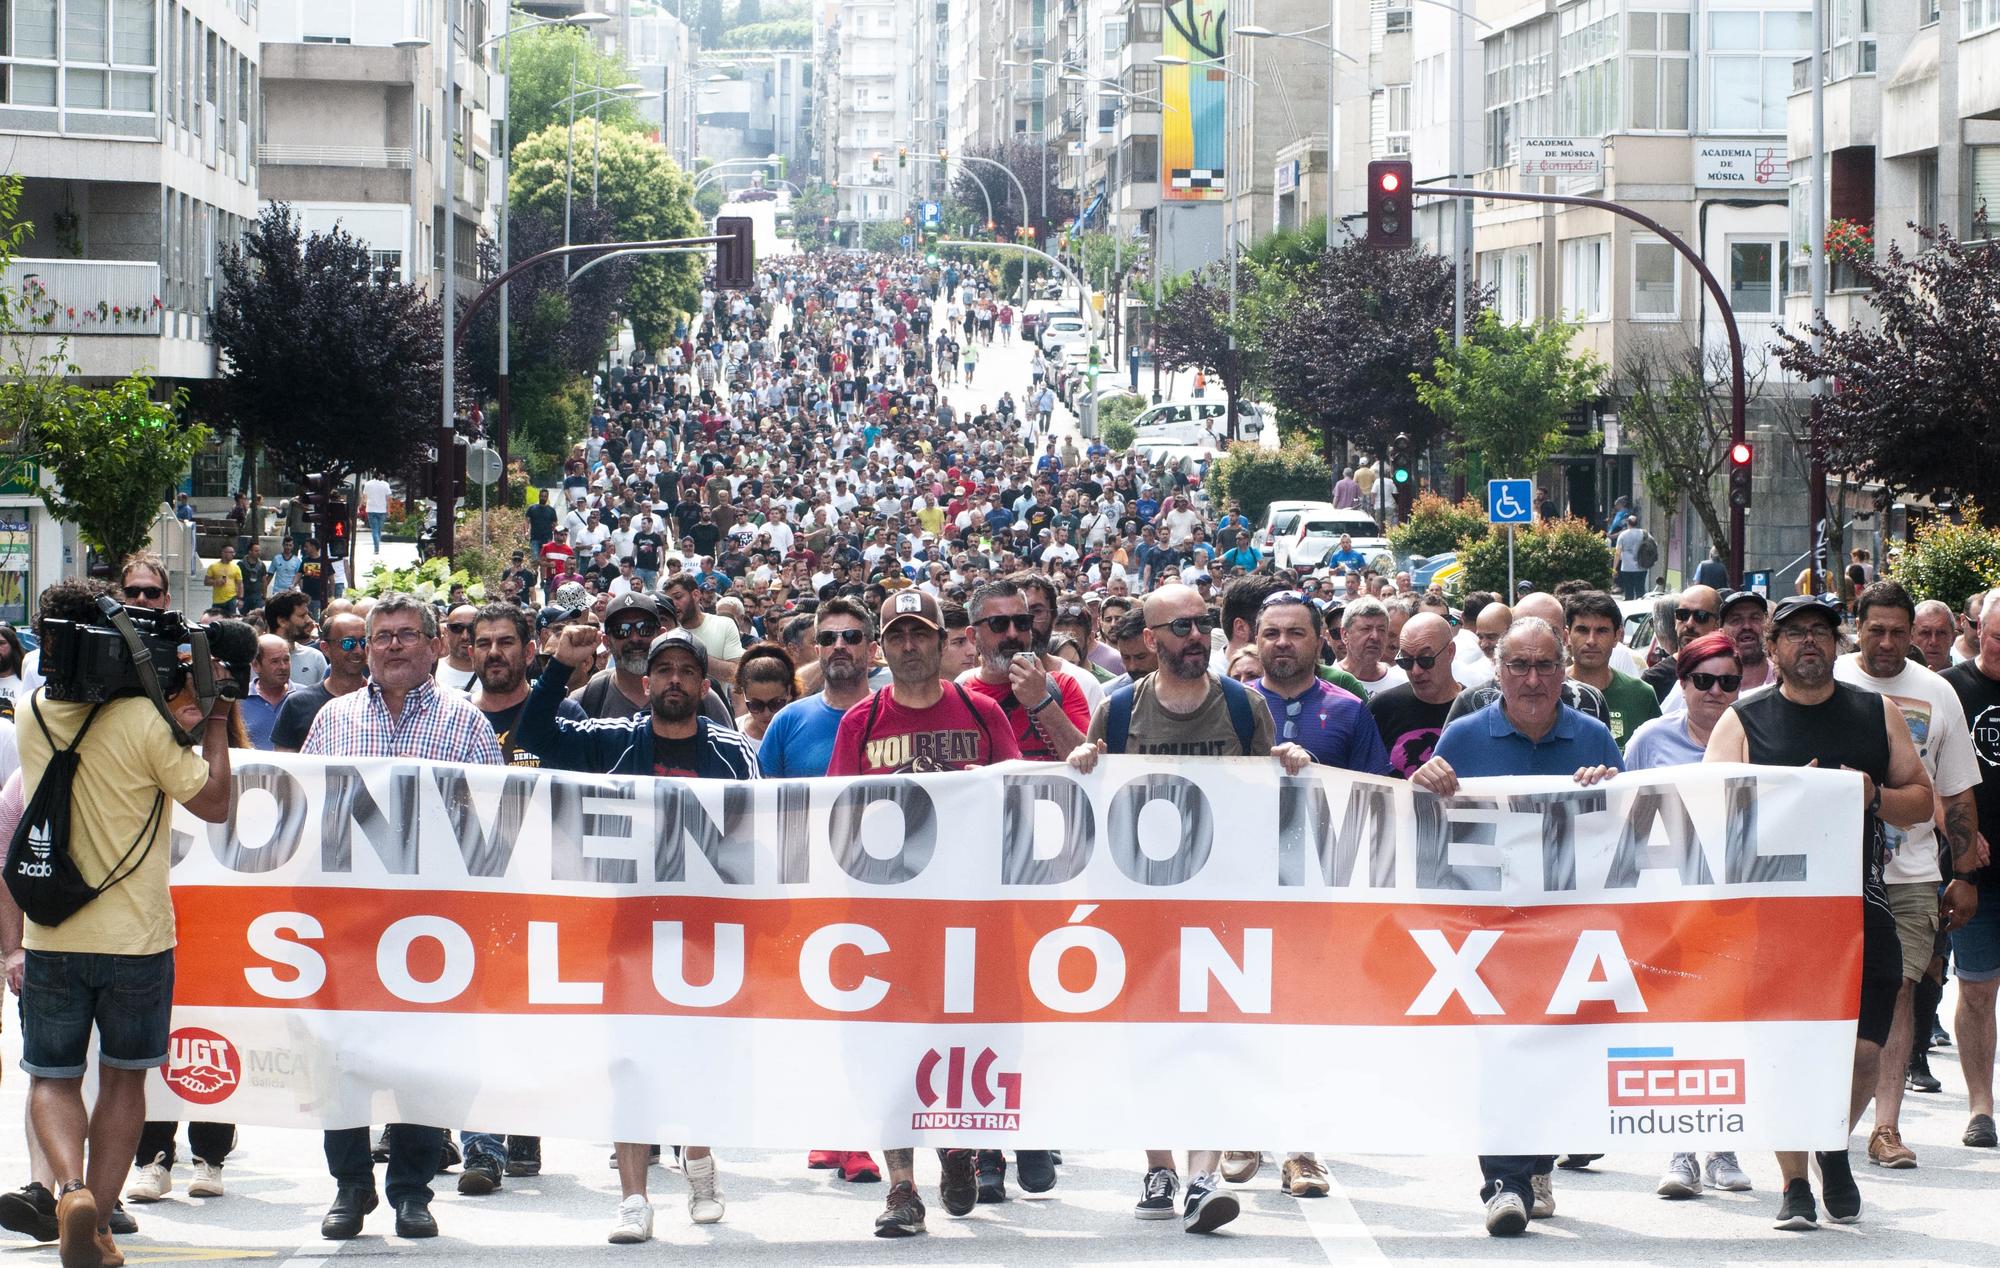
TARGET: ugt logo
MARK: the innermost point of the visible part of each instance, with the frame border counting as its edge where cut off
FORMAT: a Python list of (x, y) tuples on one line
[(985, 1087), (202, 1066)]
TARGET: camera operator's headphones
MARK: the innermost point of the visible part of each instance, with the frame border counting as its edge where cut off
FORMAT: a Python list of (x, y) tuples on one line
[(206, 691)]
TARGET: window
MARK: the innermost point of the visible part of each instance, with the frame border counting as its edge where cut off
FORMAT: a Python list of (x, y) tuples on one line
[(1114, 36), (1929, 12), (1750, 68), (1140, 162), (1145, 25), (1756, 277), (1519, 93), (1588, 91), (1929, 212), (1510, 275), (1396, 132), (1979, 15), (1656, 281), (1586, 278), (1983, 192), (1851, 32), (1658, 45), (1397, 19)]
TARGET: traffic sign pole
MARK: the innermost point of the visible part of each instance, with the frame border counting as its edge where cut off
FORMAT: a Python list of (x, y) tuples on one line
[(1510, 502), (1510, 565)]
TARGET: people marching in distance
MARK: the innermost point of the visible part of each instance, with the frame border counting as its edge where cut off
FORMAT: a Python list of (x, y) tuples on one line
[(831, 528)]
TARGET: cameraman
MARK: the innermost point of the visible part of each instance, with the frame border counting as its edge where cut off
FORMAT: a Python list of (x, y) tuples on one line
[(111, 965)]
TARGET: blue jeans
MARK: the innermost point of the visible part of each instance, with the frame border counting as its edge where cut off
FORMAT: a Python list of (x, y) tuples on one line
[(1512, 1172), (375, 521), (128, 998), (493, 1146), (415, 1154)]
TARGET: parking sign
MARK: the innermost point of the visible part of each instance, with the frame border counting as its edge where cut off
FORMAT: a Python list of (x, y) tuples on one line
[(1510, 501)]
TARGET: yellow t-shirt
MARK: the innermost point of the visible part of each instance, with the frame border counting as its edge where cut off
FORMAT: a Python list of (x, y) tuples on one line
[(127, 757), (224, 580)]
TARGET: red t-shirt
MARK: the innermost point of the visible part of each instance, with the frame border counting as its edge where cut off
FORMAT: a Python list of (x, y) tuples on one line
[(1033, 746), (946, 736)]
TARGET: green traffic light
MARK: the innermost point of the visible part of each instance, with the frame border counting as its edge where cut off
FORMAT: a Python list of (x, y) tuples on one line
[(1402, 475)]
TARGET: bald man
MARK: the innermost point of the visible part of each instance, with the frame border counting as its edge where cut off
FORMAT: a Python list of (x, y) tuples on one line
[(1490, 625), (1410, 717)]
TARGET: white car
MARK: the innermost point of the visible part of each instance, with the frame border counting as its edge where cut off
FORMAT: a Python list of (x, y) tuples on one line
[(1318, 533), (1281, 519), (1192, 420), (1061, 330)]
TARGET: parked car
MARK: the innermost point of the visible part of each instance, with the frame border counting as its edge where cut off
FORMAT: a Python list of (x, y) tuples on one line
[(1061, 330), (1281, 519), (1317, 533)]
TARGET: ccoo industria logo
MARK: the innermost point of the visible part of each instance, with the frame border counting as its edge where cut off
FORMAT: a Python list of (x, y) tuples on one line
[(1654, 1092), (967, 1098)]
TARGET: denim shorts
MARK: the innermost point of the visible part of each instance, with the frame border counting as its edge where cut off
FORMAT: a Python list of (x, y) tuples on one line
[(1975, 948), (129, 998)]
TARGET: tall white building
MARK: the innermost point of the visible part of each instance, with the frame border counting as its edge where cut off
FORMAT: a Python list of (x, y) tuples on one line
[(868, 101)]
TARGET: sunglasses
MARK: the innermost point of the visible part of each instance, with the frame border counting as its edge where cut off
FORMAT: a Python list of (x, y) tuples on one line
[(754, 705), (853, 638), (1422, 662), (352, 644), (145, 592), (1183, 626), (459, 627), (1695, 615), (1284, 596), (631, 629), (1022, 624), (1709, 682)]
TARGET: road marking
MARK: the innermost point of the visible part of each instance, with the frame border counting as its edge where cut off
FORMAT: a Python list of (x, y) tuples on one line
[(1338, 1228), (195, 1254)]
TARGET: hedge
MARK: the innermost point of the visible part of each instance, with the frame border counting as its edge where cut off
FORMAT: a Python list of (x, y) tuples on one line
[(1437, 524), (1546, 554), (1257, 477)]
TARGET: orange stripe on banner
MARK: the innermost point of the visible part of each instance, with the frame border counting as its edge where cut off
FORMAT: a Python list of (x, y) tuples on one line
[(1351, 964)]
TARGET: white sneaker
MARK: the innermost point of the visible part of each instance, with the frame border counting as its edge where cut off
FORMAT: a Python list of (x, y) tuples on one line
[(1544, 1189), (1683, 1178), (1725, 1174), (207, 1182), (634, 1222), (1506, 1214), (704, 1201), (154, 1181)]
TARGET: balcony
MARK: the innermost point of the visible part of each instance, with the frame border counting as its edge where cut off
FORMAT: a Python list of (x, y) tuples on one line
[(1026, 90), (1028, 38), (395, 157), (88, 297)]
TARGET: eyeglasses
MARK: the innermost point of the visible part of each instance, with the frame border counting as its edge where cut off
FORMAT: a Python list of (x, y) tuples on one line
[(1709, 682), (459, 627), (145, 592), (1533, 668), (396, 638), (1422, 662), (1022, 624), (352, 644), (1183, 626), (755, 705), (853, 638), (1809, 630), (1695, 615), (632, 629)]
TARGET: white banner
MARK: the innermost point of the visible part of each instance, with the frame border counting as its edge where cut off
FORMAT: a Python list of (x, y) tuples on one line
[(1021, 955)]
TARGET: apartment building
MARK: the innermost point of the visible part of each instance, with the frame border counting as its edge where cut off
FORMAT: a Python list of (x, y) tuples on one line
[(659, 48), (867, 109)]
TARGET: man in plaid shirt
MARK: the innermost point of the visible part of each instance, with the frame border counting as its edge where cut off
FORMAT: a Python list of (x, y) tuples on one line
[(400, 713)]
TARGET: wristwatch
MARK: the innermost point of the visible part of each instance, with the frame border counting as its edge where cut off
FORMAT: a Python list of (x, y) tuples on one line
[(1054, 695)]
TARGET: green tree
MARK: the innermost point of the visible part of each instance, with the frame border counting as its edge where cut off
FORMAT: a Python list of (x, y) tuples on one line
[(1545, 553), (649, 199), (1191, 329), (782, 33), (1437, 524), (1675, 414), (1950, 561), (545, 64), (1257, 477), (1505, 394), (708, 23), (113, 452)]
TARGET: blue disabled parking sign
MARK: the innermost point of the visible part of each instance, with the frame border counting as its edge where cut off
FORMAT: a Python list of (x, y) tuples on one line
[(1510, 501), (907, 240)]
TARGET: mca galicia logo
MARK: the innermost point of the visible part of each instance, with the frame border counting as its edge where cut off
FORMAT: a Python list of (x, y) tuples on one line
[(202, 1066), (984, 1086), (1654, 1092)]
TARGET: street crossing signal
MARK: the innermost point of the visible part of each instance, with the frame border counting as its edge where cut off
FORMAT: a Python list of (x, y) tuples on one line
[(337, 517), (736, 255), (875, 162), (1740, 474), (1389, 204)]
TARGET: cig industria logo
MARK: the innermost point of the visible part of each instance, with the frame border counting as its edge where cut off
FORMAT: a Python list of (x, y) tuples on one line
[(1653, 1092), (968, 1094)]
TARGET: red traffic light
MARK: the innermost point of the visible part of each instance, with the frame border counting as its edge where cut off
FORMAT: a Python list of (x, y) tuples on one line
[(1391, 182), (1739, 453)]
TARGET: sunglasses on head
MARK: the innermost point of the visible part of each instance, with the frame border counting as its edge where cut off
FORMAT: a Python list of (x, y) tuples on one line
[(1022, 624), (853, 638), (145, 592), (1708, 682), (1697, 615), (1183, 626), (1422, 662)]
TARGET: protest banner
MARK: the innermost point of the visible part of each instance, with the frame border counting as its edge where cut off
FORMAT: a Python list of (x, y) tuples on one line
[(1149, 955)]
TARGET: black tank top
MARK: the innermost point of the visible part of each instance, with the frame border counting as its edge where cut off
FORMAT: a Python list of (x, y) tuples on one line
[(1847, 729)]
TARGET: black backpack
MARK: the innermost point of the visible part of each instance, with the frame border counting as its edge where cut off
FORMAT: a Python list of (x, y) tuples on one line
[(41, 875)]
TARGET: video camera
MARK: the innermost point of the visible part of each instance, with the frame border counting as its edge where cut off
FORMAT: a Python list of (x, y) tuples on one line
[(137, 652)]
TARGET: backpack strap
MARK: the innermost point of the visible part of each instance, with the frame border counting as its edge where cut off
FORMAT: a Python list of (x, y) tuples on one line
[(985, 736), (1118, 719), (868, 724), (1237, 697)]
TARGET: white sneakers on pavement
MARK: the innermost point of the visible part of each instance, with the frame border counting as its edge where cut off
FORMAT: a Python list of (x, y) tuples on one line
[(705, 1204), (1506, 1214), (1544, 1189), (633, 1223), (207, 1182), (1683, 1178), (151, 1182)]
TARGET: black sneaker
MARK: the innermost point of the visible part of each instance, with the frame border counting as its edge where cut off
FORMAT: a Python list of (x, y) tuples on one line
[(1577, 1162), (1836, 1185), (1156, 1194), (524, 1155), (31, 1211), (1920, 1078), (1035, 1169), (904, 1214), (958, 1189), (1979, 1133), (1208, 1208), (480, 1176), (1796, 1212), (121, 1221), (451, 1155), (992, 1177)]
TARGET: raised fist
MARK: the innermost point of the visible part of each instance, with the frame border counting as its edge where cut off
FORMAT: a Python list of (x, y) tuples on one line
[(576, 646)]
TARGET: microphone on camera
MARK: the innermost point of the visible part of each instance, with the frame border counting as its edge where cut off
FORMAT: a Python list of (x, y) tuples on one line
[(234, 643)]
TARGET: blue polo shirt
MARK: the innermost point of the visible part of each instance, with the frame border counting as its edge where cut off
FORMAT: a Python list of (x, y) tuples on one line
[(1331, 724), (799, 742), (1486, 743)]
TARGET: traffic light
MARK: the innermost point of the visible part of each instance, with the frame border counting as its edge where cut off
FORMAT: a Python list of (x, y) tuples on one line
[(1739, 475), (902, 156), (875, 163), (315, 498), (1400, 456), (1389, 204), (337, 518), (736, 256), (944, 161)]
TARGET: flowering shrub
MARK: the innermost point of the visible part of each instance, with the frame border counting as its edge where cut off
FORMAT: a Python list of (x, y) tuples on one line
[(1849, 240)]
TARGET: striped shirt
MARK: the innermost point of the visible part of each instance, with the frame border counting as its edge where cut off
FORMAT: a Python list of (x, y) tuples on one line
[(439, 726)]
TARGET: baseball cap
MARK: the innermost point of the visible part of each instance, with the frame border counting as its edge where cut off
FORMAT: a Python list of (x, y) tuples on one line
[(631, 602), (912, 605), (1733, 597), (685, 641), (1802, 604), (554, 614)]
